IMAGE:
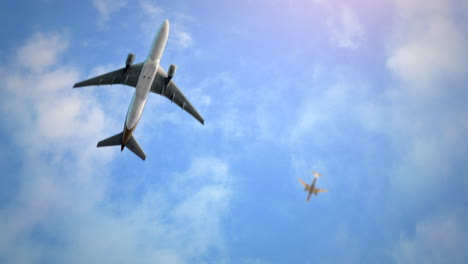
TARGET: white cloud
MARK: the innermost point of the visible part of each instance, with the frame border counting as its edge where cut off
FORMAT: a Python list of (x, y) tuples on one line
[(317, 113), (203, 190), (41, 52), (151, 9), (62, 212), (424, 116), (442, 239), (346, 30), (183, 38), (107, 7), (179, 223), (42, 116), (429, 46), (43, 100)]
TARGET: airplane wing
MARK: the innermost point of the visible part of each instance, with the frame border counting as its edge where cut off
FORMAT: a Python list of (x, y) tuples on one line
[(173, 93), (321, 190), (120, 76), (306, 186)]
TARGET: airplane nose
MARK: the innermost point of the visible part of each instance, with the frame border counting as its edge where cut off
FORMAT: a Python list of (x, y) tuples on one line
[(165, 24)]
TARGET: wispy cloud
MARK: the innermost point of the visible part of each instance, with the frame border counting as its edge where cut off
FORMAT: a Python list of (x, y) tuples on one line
[(183, 38), (428, 45), (43, 114), (428, 58), (178, 23), (41, 52), (442, 239), (346, 30), (151, 9), (51, 106), (107, 7)]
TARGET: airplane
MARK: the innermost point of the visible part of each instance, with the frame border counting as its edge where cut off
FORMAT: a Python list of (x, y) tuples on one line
[(311, 188), (146, 76)]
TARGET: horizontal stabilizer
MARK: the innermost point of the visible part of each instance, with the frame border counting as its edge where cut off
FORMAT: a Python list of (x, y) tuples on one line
[(111, 141), (132, 145)]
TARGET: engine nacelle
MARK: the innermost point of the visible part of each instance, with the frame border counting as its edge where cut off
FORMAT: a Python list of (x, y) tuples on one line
[(129, 61), (171, 71)]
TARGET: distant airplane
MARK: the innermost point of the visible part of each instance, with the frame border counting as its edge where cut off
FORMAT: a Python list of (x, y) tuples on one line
[(311, 188), (146, 77)]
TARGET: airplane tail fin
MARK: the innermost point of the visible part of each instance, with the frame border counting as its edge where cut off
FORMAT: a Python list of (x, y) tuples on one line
[(116, 140)]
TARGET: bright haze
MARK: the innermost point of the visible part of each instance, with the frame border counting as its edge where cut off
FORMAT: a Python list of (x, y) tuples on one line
[(372, 94)]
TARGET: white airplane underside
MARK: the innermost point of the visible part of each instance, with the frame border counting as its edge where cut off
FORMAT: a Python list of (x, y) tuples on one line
[(146, 77)]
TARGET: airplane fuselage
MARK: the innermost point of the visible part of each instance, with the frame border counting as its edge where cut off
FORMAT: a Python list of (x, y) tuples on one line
[(145, 80), (311, 189)]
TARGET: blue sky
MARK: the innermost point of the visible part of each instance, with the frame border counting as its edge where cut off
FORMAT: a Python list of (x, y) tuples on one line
[(373, 95)]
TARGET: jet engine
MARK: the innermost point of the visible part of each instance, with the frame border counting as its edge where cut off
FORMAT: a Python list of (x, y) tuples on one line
[(171, 72), (129, 61)]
